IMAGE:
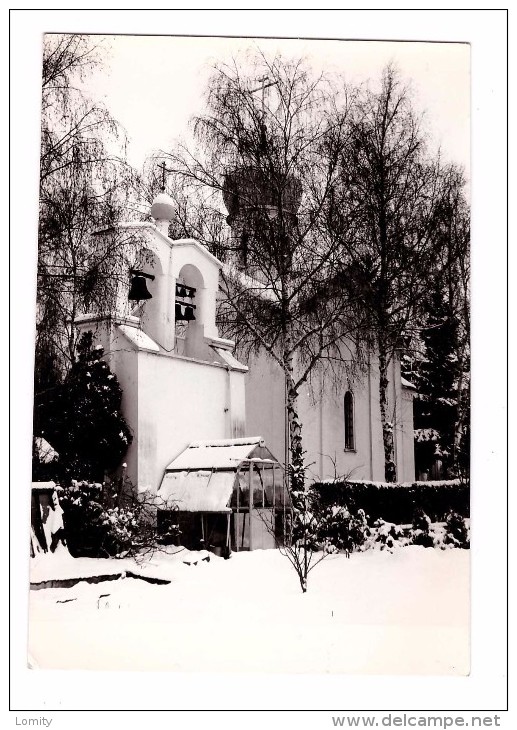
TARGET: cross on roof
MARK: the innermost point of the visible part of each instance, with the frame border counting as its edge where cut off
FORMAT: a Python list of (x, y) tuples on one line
[(164, 169), (262, 87)]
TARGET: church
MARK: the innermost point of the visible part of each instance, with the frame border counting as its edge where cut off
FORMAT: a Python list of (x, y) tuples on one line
[(197, 412)]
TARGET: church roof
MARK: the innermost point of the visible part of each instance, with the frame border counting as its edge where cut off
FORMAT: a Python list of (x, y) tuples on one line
[(163, 207), (406, 384), (139, 338)]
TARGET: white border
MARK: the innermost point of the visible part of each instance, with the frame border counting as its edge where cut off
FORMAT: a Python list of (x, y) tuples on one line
[(485, 688)]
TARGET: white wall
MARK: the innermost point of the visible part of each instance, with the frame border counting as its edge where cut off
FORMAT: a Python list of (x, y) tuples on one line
[(169, 401), (407, 437), (179, 401), (322, 414), (265, 398), (320, 407)]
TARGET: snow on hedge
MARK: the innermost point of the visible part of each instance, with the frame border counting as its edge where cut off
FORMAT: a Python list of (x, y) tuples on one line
[(436, 483)]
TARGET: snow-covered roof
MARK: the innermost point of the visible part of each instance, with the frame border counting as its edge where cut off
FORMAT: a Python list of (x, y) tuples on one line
[(44, 486), (426, 434), (199, 246), (201, 478), (219, 454), (196, 491), (138, 338), (406, 384), (232, 362)]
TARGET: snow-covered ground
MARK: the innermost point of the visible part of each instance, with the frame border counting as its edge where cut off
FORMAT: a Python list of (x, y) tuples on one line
[(377, 612)]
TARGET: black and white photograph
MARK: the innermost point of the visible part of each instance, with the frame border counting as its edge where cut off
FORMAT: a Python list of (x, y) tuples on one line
[(251, 411)]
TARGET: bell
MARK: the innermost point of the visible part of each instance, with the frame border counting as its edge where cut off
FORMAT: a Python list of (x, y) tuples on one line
[(178, 312), (180, 290), (138, 288), (189, 313)]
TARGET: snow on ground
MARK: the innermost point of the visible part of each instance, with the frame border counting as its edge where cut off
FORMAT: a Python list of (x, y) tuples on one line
[(376, 612)]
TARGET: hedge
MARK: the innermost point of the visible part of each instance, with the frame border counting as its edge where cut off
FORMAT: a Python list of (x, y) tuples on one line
[(397, 502)]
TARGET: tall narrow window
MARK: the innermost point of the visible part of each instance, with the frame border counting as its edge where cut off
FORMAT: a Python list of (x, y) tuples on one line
[(349, 421)]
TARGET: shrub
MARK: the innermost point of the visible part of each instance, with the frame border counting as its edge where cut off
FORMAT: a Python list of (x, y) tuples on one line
[(359, 530), (420, 534), (106, 520), (341, 530), (456, 531), (386, 535), (421, 521), (397, 502)]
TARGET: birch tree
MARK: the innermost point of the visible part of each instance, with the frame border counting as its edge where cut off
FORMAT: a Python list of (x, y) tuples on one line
[(269, 147), (84, 184), (393, 206)]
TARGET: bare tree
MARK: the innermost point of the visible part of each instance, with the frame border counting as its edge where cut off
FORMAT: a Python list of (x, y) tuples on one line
[(269, 147), (74, 130), (198, 212), (390, 219), (84, 184)]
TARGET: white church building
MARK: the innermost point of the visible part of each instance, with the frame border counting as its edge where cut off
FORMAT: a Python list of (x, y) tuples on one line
[(180, 380), (183, 386)]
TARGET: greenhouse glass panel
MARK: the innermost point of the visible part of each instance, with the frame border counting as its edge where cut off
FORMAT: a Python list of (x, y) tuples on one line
[(243, 487), (257, 485), (268, 478), (241, 531), (281, 494)]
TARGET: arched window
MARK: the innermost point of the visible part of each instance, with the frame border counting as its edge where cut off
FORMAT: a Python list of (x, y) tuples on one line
[(188, 312), (349, 421)]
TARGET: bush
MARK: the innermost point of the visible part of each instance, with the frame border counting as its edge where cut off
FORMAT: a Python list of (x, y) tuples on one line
[(341, 530), (397, 502), (106, 520), (421, 521), (456, 531), (359, 530), (386, 535), (420, 534), (398, 514)]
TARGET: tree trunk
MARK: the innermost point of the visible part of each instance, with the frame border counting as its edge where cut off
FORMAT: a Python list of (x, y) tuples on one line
[(296, 476), (390, 472), (296, 466)]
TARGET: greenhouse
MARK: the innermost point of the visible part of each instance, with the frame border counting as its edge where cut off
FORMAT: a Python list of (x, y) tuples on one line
[(225, 495)]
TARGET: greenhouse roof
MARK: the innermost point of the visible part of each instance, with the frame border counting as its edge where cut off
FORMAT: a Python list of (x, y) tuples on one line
[(202, 478), (220, 454), (196, 491)]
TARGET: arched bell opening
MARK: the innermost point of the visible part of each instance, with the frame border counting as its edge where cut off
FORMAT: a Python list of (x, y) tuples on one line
[(188, 312), (147, 293)]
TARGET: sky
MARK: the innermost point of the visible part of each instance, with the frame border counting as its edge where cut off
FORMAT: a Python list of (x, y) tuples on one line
[(153, 85)]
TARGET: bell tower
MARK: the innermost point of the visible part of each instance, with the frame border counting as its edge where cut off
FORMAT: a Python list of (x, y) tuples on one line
[(180, 380)]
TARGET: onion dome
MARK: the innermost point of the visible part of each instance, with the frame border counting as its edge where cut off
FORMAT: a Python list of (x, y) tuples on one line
[(162, 208)]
